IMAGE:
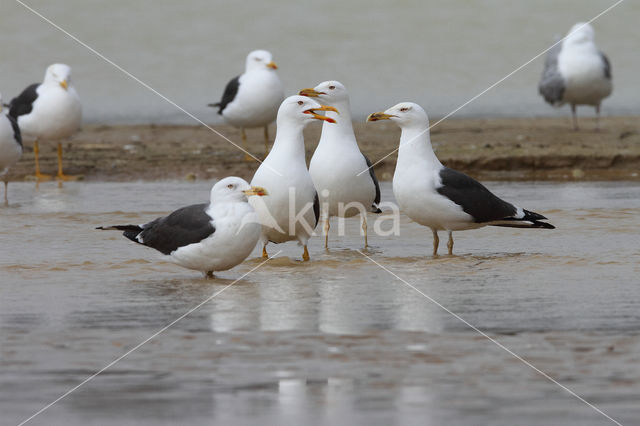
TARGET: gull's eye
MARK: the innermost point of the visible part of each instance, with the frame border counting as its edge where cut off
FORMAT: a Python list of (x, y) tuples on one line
[(332, 87), (404, 109), (300, 102), (230, 186), (257, 59)]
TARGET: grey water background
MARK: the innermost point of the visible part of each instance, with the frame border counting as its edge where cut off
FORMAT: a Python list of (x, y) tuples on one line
[(336, 340), (439, 54)]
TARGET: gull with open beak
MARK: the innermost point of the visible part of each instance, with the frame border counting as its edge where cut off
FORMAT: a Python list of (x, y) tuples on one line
[(337, 163), (49, 110), (291, 211), (438, 197), (252, 99)]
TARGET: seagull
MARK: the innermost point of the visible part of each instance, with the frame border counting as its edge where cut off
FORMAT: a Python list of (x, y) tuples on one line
[(205, 237), (576, 72), (252, 99), (10, 147), (438, 197), (291, 211), (337, 162), (49, 110)]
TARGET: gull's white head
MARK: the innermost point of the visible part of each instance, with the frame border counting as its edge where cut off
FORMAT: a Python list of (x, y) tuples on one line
[(234, 189), (260, 59), (58, 74), (302, 109), (404, 114), (328, 92), (581, 32)]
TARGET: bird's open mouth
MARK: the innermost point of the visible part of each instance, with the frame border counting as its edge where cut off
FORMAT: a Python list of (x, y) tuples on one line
[(256, 190), (312, 111), (312, 93), (379, 116)]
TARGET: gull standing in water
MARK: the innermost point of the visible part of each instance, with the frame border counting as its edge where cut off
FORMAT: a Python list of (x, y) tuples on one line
[(49, 110), (337, 162), (10, 147), (205, 237), (292, 209), (438, 197)]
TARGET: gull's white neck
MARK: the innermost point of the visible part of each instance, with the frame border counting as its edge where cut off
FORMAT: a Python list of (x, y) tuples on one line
[(339, 134), (415, 148), (289, 142)]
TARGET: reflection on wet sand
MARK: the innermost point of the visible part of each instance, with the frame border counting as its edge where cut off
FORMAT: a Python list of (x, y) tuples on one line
[(336, 338)]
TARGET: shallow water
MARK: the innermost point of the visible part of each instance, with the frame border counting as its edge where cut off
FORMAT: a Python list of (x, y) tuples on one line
[(439, 55), (337, 340)]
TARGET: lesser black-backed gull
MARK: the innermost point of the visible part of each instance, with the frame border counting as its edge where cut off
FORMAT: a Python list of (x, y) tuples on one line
[(292, 209), (205, 237), (576, 72), (438, 197), (252, 99), (10, 147), (49, 110), (337, 162)]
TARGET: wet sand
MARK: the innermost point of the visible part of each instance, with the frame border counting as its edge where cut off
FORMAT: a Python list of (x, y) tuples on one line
[(336, 340), (496, 149)]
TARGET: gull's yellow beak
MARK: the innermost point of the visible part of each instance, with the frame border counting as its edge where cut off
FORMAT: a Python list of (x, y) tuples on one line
[(64, 84), (256, 190), (312, 111), (272, 65), (379, 116), (311, 92)]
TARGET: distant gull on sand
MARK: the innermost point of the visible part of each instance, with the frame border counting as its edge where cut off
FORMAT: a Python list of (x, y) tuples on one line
[(252, 99), (292, 209), (49, 110), (438, 197), (10, 147), (576, 72), (337, 162), (205, 237)]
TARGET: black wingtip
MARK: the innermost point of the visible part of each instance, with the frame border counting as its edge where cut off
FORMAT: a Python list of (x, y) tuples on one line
[(545, 225), (375, 209)]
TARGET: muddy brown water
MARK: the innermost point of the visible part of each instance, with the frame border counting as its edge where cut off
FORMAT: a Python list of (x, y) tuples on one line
[(337, 340)]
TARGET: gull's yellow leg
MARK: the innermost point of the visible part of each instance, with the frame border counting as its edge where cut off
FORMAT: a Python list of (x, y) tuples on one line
[(436, 242), (266, 141), (305, 254), (265, 255), (247, 157), (364, 229), (450, 243), (61, 176), (36, 154), (326, 232)]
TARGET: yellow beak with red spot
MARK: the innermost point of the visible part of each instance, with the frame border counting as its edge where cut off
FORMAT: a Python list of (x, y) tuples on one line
[(64, 84), (312, 111), (272, 65), (256, 190)]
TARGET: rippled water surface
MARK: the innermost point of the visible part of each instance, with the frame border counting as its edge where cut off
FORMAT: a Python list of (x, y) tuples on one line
[(338, 340)]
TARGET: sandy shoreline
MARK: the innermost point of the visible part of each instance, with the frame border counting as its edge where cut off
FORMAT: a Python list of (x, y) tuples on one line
[(495, 149)]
